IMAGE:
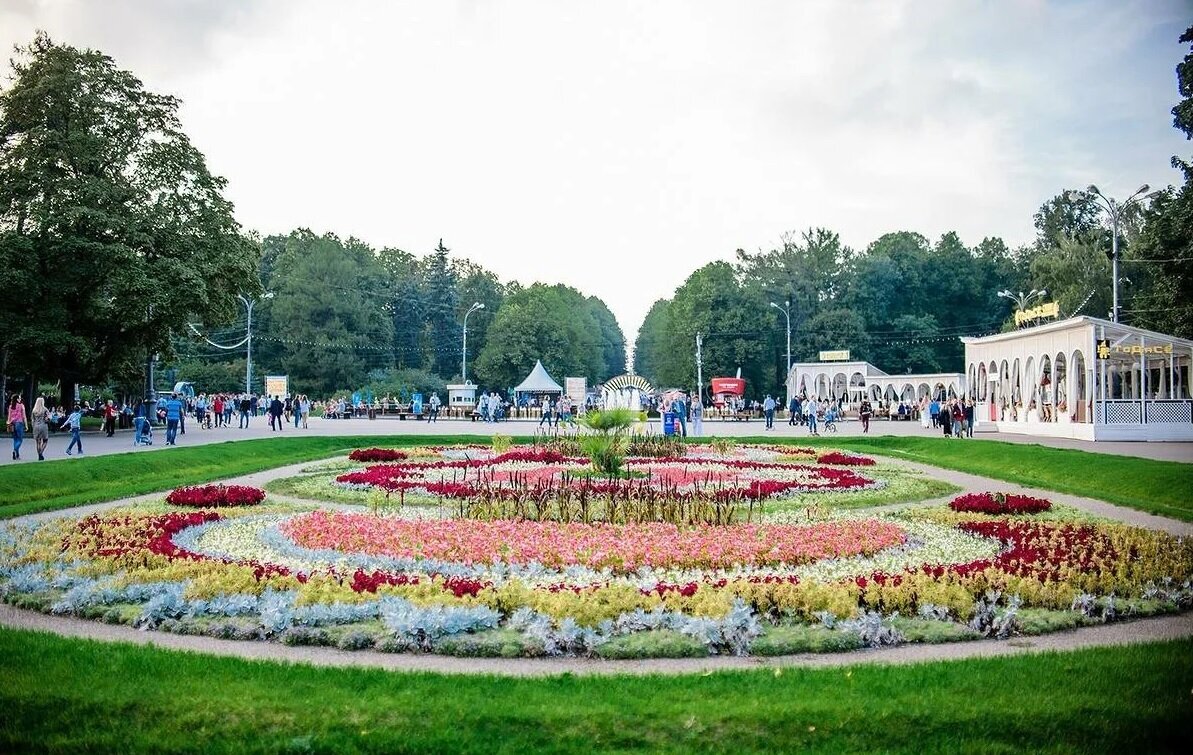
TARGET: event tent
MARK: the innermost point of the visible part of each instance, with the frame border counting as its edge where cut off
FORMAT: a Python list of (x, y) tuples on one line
[(538, 381)]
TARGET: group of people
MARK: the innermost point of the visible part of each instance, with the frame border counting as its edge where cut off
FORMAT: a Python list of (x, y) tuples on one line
[(557, 410), (954, 416), (38, 421)]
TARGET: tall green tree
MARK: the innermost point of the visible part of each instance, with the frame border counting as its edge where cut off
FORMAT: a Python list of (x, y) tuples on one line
[(550, 323), (610, 339), (650, 346), (325, 326), (1167, 238), (441, 302), (125, 235)]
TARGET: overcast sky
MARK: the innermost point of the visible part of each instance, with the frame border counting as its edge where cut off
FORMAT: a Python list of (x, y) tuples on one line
[(617, 146)]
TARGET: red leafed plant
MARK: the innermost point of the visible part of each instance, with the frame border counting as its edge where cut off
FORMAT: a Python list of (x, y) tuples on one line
[(844, 459), (999, 503), (209, 496), (376, 455)]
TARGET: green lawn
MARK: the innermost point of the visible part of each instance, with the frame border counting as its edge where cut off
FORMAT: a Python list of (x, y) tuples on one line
[(82, 696), (1159, 487), (29, 488)]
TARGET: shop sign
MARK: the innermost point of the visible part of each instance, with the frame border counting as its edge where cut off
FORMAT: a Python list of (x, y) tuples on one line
[(1135, 350), (841, 355), (1050, 309)]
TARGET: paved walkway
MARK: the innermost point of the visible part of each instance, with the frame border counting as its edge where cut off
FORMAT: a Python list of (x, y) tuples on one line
[(1146, 630), (97, 444), (1127, 633)]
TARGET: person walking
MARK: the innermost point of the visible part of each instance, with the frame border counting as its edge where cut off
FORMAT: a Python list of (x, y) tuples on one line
[(768, 410), (304, 406), (547, 412), (811, 408), (275, 414), (434, 403), (792, 410), (75, 423), (697, 418), (864, 412), (110, 418), (17, 424), (174, 412), (680, 407), (245, 407), (967, 423), (41, 427)]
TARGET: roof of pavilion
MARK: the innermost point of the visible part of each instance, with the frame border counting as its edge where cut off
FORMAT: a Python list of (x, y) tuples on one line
[(1113, 330)]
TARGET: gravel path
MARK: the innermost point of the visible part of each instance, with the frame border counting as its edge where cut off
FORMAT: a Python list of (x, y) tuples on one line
[(1144, 630), (1127, 633)]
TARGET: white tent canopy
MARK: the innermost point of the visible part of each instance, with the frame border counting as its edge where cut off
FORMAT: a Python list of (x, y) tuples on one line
[(538, 381)]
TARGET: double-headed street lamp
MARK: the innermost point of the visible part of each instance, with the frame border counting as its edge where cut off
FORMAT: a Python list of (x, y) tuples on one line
[(1115, 210), (786, 310), (1021, 299), (464, 353), (247, 341)]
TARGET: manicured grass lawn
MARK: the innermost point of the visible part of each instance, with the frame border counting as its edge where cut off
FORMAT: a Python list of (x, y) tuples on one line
[(72, 695), (29, 488), (1157, 487)]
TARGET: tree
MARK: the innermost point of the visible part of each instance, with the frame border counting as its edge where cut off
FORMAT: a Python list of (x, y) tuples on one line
[(124, 231), (476, 284), (406, 307), (650, 347), (549, 323), (611, 341), (325, 327), (1167, 237), (440, 303)]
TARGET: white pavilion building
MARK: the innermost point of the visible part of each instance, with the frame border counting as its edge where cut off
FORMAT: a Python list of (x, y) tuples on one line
[(850, 381)]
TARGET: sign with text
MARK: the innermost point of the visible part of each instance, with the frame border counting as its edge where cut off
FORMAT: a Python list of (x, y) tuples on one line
[(1051, 309), (840, 355), (576, 388), (277, 385), (1105, 349)]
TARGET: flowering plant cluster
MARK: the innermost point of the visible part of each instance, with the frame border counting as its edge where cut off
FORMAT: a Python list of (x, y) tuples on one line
[(214, 496), (840, 458), (619, 548), (372, 455), (999, 503)]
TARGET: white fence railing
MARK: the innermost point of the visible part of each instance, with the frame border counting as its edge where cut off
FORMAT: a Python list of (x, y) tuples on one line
[(1133, 412)]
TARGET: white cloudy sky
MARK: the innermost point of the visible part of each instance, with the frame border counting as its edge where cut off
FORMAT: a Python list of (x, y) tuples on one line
[(616, 146)]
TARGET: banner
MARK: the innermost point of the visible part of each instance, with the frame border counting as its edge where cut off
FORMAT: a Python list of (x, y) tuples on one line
[(277, 385), (1051, 309), (577, 389), (416, 403), (841, 355)]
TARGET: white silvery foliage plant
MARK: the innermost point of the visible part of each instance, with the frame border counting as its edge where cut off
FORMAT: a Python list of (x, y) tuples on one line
[(872, 629), (990, 620), (167, 603), (276, 611), (418, 627)]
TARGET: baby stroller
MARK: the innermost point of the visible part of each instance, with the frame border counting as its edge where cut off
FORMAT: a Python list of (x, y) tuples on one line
[(830, 420), (143, 435)]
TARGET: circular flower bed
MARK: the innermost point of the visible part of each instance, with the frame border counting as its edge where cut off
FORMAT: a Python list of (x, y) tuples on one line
[(372, 455), (999, 503), (568, 582), (212, 496)]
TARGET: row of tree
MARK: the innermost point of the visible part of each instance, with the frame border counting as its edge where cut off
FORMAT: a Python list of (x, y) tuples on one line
[(115, 240), (903, 301)]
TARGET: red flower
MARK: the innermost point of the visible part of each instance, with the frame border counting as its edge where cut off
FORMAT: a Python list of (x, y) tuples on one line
[(999, 503), (211, 496), (376, 454)]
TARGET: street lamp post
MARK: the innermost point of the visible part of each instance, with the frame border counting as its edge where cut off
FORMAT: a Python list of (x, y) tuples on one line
[(1115, 211), (1021, 299), (464, 351), (786, 310), (248, 339)]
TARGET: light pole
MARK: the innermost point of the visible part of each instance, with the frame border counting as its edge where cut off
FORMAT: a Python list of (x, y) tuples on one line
[(248, 339), (464, 352), (1021, 299), (1115, 210), (786, 310)]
